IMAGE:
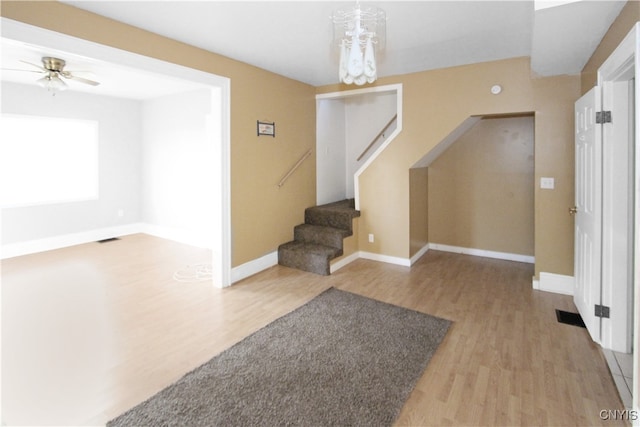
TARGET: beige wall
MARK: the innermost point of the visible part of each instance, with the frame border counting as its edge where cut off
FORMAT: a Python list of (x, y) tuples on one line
[(434, 104), (481, 188), (554, 100), (262, 215), (419, 208), (629, 15)]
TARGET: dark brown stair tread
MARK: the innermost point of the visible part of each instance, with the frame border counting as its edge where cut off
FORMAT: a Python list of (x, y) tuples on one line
[(343, 206)]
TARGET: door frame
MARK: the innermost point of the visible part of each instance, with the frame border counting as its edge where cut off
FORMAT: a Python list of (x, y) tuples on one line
[(623, 59)]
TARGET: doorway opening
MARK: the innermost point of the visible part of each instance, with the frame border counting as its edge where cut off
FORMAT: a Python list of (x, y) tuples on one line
[(481, 191), (353, 127), (216, 129)]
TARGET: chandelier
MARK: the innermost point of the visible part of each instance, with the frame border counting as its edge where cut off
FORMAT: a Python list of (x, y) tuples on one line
[(357, 32)]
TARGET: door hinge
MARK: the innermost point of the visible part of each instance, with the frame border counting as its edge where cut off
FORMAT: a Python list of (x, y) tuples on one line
[(601, 311), (603, 117)]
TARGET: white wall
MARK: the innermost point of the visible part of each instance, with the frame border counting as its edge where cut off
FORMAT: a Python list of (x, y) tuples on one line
[(345, 127), (120, 151), (331, 183), (177, 177), (154, 166), (365, 116)]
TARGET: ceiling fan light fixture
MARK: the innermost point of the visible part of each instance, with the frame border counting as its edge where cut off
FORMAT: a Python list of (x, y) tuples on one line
[(52, 82)]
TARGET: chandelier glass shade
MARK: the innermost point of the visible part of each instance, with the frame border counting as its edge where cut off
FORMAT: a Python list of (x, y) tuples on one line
[(358, 32)]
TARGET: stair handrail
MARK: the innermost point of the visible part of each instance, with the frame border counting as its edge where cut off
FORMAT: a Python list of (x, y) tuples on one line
[(374, 140), (296, 166)]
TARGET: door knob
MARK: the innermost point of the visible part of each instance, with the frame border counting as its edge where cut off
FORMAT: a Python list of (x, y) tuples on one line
[(573, 210)]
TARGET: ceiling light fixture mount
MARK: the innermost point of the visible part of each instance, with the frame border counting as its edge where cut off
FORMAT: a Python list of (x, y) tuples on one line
[(52, 81), (359, 32)]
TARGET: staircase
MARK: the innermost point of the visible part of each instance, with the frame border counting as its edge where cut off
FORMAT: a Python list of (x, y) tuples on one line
[(319, 240)]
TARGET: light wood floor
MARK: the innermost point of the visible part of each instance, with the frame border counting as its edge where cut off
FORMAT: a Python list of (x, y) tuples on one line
[(92, 330)]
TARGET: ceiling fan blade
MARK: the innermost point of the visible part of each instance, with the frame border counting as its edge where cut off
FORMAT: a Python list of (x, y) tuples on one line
[(35, 65), (24, 71), (70, 76)]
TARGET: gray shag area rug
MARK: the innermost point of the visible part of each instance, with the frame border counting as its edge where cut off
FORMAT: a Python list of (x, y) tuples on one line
[(341, 359)]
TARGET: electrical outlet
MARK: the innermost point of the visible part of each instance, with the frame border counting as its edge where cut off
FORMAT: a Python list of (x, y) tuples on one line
[(120, 213), (547, 183), (371, 239)]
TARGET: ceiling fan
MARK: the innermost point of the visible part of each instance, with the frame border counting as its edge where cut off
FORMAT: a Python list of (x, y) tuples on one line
[(53, 68)]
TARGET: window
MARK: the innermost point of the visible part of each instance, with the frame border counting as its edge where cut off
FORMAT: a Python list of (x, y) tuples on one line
[(47, 160)]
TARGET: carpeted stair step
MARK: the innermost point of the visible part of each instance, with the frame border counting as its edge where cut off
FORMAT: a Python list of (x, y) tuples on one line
[(309, 257), (320, 238), (338, 215), (320, 234)]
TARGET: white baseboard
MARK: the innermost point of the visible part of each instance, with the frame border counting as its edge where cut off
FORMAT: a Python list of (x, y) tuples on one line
[(253, 267), (57, 242), (547, 282), (418, 254), (386, 258), (535, 283), (344, 261), (556, 283), (483, 253)]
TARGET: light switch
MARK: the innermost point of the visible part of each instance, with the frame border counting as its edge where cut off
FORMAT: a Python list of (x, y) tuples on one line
[(547, 183)]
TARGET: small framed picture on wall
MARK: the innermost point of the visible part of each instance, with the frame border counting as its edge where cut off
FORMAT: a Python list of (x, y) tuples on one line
[(266, 128)]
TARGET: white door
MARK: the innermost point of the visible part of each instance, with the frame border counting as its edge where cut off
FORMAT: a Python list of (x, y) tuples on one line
[(588, 210), (618, 212)]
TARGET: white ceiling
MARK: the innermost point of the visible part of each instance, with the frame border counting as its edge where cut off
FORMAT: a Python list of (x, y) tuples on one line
[(115, 80), (293, 38)]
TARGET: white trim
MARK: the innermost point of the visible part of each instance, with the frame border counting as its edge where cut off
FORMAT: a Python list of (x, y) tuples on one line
[(343, 261), (253, 267), (483, 253), (419, 254), (620, 59), (344, 94), (535, 283), (556, 283), (355, 92), (57, 242), (26, 33), (386, 258)]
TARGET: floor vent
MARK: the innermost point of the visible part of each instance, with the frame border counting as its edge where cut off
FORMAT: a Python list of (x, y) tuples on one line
[(570, 318), (111, 239)]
